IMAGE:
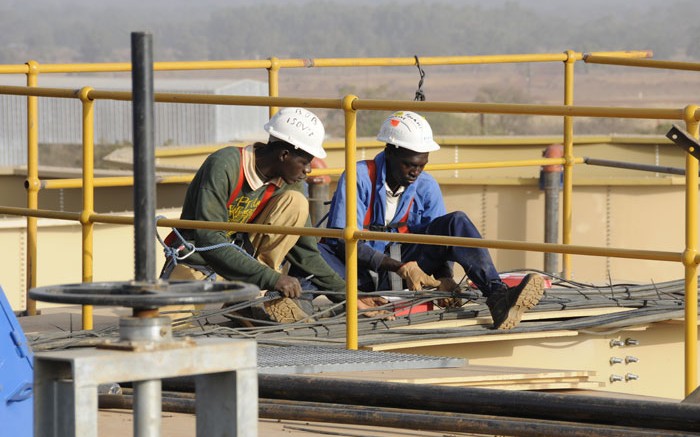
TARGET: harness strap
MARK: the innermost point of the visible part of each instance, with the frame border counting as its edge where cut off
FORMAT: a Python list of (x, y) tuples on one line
[(239, 183), (269, 191), (372, 170), (266, 196)]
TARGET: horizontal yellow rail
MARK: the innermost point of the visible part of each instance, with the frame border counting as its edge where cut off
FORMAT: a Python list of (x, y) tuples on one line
[(125, 181), (369, 235), (501, 164), (311, 62), (40, 213), (40, 92), (452, 140), (369, 104), (521, 109), (522, 246), (111, 181), (647, 63)]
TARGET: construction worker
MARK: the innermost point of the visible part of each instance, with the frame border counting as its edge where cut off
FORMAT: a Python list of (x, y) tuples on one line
[(263, 184), (394, 194)]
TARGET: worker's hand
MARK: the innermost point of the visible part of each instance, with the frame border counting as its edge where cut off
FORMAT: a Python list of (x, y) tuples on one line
[(416, 278), (448, 284), (369, 302), (289, 286)]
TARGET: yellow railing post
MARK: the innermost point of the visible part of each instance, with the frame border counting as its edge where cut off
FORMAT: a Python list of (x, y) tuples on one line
[(32, 182), (273, 81), (350, 222), (567, 191), (88, 195), (691, 249)]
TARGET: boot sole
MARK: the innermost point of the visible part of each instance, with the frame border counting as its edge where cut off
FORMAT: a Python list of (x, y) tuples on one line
[(529, 298), (284, 310)]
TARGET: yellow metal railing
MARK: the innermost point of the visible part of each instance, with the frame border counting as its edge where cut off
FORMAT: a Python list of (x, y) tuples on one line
[(32, 69), (351, 105)]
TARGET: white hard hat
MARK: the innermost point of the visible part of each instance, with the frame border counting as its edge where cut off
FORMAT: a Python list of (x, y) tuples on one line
[(300, 128), (408, 130)]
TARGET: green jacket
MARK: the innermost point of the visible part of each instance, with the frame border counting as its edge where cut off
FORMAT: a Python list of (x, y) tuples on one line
[(206, 199)]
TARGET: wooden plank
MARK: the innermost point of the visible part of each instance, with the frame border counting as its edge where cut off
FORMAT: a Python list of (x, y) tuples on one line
[(516, 378), (532, 315), (473, 339), (550, 386)]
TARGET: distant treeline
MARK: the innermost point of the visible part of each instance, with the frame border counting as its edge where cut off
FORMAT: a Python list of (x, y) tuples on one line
[(98, 31)]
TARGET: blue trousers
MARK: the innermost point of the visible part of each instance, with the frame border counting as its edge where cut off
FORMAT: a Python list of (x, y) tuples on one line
[(435, 260)]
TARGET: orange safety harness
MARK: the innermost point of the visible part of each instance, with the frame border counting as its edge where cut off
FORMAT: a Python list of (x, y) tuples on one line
[(269, 191)]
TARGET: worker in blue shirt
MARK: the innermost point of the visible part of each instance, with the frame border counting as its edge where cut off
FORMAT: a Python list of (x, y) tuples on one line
[(394, 194)]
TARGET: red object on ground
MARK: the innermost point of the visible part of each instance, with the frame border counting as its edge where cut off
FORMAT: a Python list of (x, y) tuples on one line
[(513, 279), (405, 308)]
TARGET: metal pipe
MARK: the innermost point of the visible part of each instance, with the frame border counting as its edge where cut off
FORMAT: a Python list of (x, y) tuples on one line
[(147, 394), (634, 166), (404, 419), (112, 181), (32, 183), (105, 67), (88, 197), (655, 255), (273, 82), (689, 256), (551, 184), (125, 181), (147, 408), (567, 189), (368, 235), (648, 63), (350, 230), (319, 191), (534, 405), (318, 195), (144, 156), (370, 104)]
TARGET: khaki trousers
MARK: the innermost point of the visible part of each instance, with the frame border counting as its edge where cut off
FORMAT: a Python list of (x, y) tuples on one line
[(289, 209)]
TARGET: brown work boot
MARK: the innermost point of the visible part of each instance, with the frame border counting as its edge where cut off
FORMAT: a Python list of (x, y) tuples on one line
[(508, 305), (287, 310)]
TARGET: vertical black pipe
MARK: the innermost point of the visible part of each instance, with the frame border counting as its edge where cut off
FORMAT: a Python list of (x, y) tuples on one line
[(144, 156), (552, 185), (551, 182)]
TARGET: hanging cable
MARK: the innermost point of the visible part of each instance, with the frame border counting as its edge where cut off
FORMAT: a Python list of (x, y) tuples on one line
[(420, 95)]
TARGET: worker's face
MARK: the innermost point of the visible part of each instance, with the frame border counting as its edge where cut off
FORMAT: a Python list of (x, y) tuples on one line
[(404, 166), (295, 165)]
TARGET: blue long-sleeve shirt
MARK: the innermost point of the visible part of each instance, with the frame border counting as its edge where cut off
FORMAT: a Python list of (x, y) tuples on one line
[(427, 204)]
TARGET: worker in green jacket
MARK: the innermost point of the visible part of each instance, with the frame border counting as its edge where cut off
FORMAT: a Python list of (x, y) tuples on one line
[(262, 184)]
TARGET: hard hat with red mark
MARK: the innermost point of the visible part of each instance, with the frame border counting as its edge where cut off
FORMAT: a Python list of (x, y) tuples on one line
[(408, 130)]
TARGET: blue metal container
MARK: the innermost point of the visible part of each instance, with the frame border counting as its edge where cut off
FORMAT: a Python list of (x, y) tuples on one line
[(16, 375)]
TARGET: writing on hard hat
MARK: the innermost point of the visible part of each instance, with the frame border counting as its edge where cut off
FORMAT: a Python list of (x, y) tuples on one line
[(300, 128), (408, 130)]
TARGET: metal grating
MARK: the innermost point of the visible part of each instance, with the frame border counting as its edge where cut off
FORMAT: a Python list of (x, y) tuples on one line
[(316, 359)]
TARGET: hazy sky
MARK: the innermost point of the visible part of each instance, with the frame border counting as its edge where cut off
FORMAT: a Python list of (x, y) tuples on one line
[(56, 30)]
